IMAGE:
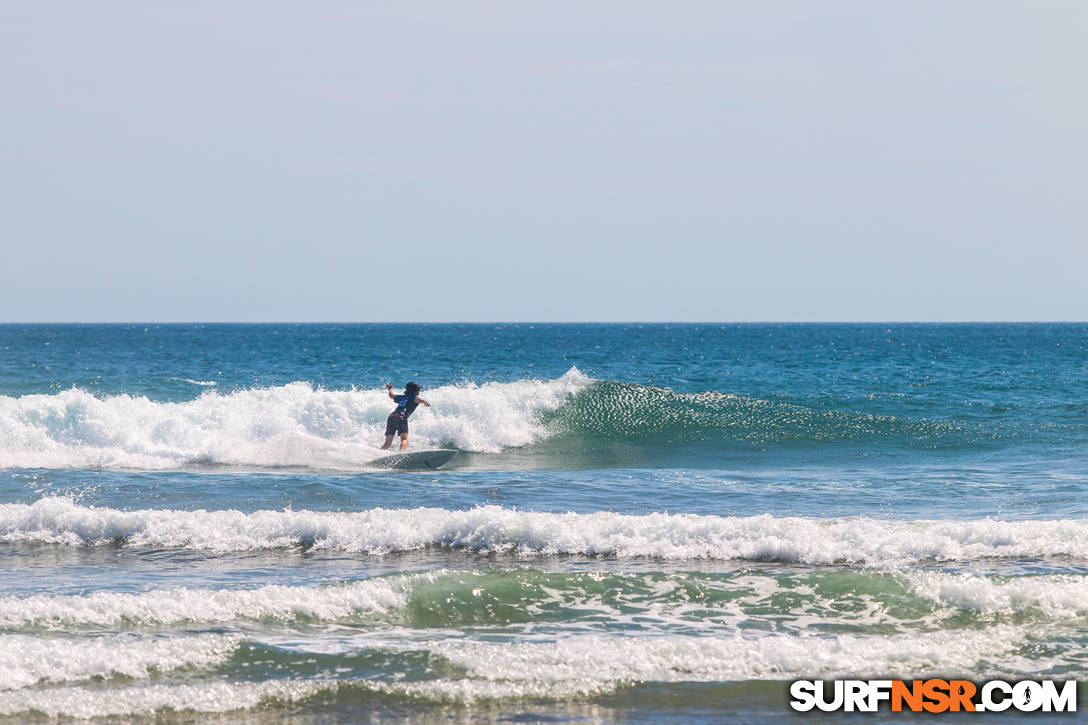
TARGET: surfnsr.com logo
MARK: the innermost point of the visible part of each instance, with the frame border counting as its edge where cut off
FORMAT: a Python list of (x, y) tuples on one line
[(933, 695)]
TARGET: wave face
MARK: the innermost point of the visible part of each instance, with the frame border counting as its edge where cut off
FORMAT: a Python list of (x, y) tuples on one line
[(290, 425), (626, 411), (492, 529)]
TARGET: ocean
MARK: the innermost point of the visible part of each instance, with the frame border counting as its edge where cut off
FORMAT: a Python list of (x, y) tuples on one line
[(646, 523)]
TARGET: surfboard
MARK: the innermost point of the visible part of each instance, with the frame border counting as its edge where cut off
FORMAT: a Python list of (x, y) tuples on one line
[(415, 460)]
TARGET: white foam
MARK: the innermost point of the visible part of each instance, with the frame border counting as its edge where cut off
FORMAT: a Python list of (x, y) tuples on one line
[(289, 425), (201, 383), (719, 659), (29, 660), (587, 665), (1053, 595), (492, 529), (578, 666), (206, 697), (209, 606)]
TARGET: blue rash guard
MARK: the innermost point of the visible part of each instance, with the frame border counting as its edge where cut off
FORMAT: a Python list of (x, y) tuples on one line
[(397, 422)]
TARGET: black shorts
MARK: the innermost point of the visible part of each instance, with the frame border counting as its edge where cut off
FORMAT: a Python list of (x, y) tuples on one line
[(396, 423)]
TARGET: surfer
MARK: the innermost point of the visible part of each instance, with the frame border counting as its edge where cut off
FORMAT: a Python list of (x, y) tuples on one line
[(397, 422)]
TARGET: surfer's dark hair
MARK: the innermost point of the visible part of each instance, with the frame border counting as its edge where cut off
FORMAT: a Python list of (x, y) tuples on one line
[(412, 387)]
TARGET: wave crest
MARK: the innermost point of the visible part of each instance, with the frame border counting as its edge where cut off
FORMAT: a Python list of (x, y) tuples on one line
[(493, 529), (290, 425)]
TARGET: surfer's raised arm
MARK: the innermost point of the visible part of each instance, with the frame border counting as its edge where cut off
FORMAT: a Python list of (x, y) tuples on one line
[(389, 389)]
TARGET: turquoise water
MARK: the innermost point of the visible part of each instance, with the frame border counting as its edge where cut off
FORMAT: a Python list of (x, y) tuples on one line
[(645, 523)]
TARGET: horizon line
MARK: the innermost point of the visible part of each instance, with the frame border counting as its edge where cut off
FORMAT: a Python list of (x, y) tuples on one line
[(543, 322)]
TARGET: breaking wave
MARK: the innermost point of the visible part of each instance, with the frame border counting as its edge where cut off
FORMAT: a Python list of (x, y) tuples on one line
[(493, 529), (297, 425), (290, 425), (655, 602)]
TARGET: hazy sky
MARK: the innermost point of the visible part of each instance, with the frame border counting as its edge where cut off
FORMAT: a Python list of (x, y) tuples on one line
[(269, 160)]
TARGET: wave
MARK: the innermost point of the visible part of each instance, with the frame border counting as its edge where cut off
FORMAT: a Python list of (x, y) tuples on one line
[(493, 529), (713, 603), (289, 425), (594, 664), (298, 425), (574, 667), (26, 661), (626, 411), (508, 635), (86, 703), (169, 607), (1049, 595)]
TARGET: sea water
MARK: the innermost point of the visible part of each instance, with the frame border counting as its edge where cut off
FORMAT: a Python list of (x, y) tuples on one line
[(645, 523)]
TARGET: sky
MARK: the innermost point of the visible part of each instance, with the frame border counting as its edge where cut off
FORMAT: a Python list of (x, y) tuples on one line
[(554, 161)]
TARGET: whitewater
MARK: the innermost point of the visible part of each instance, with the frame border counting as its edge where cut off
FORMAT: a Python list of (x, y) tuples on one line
[(491, 529), (290, 425)]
